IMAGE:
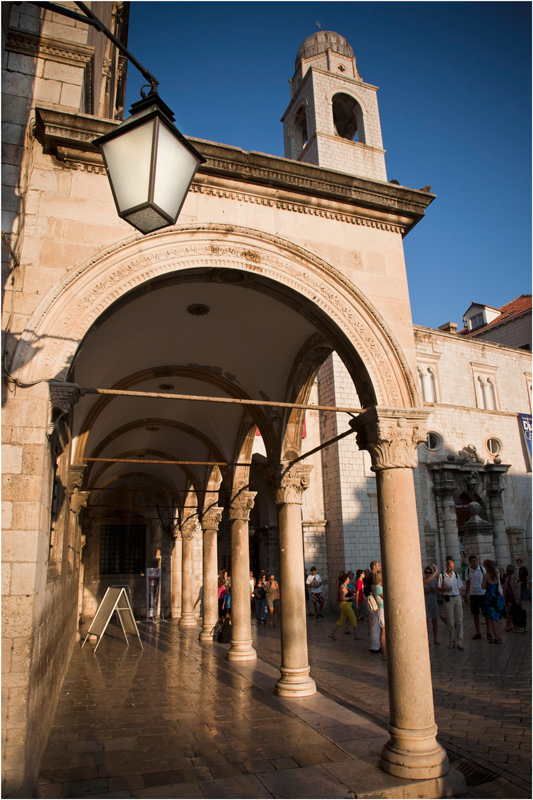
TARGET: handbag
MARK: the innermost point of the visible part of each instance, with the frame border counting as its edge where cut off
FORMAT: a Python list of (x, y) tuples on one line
[(371, 602)]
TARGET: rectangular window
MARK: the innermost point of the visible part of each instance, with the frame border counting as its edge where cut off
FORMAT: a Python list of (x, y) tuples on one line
[(122, 549)]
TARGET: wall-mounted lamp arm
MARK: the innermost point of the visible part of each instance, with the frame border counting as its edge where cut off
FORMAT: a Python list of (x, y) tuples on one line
[(91, 19)]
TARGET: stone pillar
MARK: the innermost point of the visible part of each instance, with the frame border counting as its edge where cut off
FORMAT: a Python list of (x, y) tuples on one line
[(175, 578), (210, 522), (391, 437), (295, 680), (241, 619), (444, 488), (502, 550), (188, 616)]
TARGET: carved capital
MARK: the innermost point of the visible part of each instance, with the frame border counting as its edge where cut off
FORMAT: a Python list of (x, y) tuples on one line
[(292, 484), (391, 436), (188, 528), (242, 503), (211, 518), (78, 501), (75, 477)]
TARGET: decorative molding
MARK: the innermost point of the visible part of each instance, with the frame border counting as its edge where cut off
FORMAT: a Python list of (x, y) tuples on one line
[(292, 485), (92, 286), (299, 208), (391, 436), (241, 504), (49, 48)]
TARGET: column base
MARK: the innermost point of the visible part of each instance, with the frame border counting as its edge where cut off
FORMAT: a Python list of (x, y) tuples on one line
[(206, 635), (241, 651), (188, 621), (295, 683), (414, 754)]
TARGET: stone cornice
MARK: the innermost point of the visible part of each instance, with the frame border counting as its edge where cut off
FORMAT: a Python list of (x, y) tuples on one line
[(59, 50), (69, 138)]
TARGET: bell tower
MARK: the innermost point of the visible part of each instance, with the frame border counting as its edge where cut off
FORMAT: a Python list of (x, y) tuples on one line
[(333, 119)]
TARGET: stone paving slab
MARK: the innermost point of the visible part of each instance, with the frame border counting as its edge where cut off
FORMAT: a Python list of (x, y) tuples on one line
[(179, 720)]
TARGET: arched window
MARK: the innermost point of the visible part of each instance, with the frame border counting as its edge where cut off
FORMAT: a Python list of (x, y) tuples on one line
[(348, 118), (299, 136)]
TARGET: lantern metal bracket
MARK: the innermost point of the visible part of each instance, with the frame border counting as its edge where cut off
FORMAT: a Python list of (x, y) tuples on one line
[(91, 19)]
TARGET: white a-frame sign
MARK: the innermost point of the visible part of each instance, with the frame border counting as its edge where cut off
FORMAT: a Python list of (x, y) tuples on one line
[(115, 599)]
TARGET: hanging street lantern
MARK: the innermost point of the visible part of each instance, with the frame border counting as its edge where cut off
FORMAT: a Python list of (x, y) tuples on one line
[(150, 165)]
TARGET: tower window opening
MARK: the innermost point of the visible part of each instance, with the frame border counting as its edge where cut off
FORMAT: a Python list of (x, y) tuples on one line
[(348, 118), (299, 132)]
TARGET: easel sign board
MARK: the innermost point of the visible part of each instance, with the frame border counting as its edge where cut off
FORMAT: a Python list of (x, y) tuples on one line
[(115, 599)]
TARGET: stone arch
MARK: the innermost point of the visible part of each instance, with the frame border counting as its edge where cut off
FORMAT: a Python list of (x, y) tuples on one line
[(361, 336)]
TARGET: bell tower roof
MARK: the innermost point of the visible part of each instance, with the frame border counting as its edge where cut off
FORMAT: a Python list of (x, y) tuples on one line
[(321, 42)]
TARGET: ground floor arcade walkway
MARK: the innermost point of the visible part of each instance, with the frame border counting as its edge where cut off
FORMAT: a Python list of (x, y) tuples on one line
[(179, 720)]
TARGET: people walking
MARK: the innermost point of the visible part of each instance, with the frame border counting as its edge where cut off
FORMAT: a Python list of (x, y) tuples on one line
[(494, 603), (430, 597), (374, 626), (314, 581), (512, 600), (362, 606), (272, 597), (450, 584), (377, 591), (261, 608), (523, 581), (346, 596), (475, 595)]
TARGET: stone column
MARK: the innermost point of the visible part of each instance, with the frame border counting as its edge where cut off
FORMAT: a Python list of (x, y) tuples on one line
[(175, 578), (502, 550), (391, 437), (295, 680), (241, 619), (210, 522), (188, 616)]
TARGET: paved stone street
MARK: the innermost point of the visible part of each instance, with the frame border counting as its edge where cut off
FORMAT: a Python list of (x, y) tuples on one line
[(180, 721)]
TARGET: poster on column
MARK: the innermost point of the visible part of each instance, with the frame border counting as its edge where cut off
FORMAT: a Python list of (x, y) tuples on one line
[(153, 583)]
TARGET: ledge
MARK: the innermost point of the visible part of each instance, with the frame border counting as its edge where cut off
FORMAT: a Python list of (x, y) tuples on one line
[(69, 137)]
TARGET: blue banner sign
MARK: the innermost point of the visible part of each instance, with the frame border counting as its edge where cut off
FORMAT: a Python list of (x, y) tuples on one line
[(525, 425)]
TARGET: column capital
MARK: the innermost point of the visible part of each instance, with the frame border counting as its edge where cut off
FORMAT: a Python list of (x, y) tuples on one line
[(391, 436), (75, 476), (241, 504), (211, 518), (188, 528), (292, 484)]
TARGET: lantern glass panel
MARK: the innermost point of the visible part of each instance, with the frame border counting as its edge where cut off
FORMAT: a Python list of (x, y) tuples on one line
[(175, 167), (129, 159)]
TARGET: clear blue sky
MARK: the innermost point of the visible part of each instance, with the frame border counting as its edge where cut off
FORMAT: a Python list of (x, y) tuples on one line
[(454, 100)]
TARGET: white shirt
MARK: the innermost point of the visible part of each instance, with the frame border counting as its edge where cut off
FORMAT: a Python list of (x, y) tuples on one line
[(311, 579), (450, 584), (475, 576)]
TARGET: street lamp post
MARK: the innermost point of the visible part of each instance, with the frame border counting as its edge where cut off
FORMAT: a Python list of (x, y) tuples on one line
[(149, 163)]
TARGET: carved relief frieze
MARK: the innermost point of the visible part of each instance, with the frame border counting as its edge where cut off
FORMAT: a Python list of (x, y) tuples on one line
[(39, 46), (299, 208)]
